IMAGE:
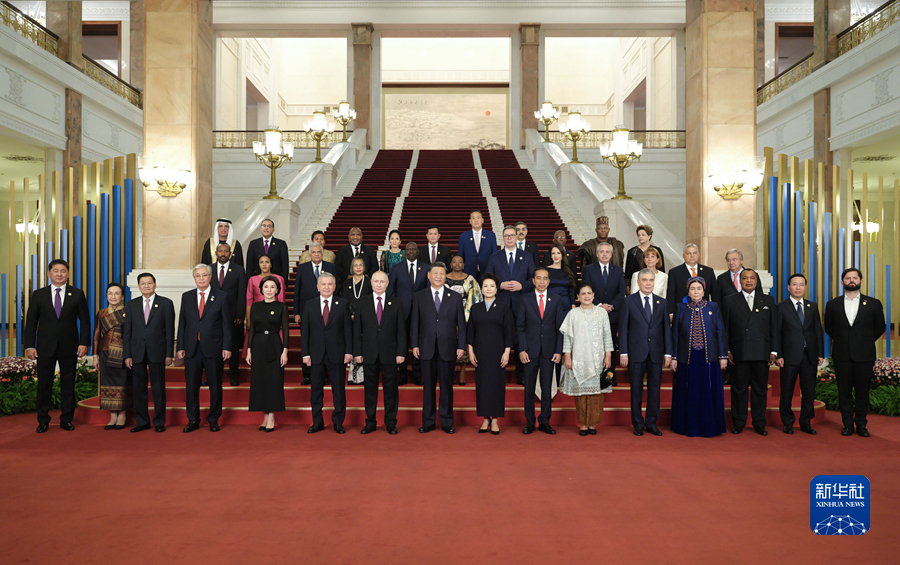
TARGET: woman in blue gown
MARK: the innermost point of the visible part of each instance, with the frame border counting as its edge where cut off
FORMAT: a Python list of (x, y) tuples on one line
[(698, 396)]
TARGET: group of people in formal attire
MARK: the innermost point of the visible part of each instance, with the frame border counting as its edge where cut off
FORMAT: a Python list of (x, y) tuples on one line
[(421, 312)]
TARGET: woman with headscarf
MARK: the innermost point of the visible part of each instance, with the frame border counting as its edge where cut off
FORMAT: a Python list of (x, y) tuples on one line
[(223, 232), (698, 395)]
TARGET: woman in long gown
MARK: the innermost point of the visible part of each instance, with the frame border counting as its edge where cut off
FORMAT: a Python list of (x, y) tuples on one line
[(652, 260), (489, 333), (587, 346), (115, 378), (354, 288), (466, 286), (268, 352), (698, 396), (253, 293)]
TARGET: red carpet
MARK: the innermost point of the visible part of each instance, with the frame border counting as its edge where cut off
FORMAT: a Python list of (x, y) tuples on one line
[(242, 496)]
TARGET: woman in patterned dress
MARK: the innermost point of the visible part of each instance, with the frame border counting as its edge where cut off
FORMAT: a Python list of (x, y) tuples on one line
[(115, 378), (393, 255), (467, 286)]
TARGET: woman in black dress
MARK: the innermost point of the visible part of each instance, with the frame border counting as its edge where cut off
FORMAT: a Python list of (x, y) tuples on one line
[(268, 352), (114, 376), (355, 288), (489, 333), (634, 259)]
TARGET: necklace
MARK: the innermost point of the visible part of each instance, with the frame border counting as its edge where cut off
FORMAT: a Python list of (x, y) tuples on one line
[(355, 293)]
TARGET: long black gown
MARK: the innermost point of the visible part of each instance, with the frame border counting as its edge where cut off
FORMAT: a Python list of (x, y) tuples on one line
[(267, 319), (489, 332)]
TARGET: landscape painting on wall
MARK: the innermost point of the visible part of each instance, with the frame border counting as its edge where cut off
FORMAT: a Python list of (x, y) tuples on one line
[(445, 118)]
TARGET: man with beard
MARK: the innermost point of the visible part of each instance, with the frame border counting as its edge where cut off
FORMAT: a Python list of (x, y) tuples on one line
[(588, 250), (855, 322)]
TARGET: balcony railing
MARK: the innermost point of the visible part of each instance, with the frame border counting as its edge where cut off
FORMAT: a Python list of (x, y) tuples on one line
[(866, 28), (30, 29), (780, 83), (225, 139), (99, 74), (673, 139)]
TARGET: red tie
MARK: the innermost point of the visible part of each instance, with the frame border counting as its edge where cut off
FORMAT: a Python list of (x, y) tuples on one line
[(221, 276), (541, 305), (202, 303), (737, 285), (325, 313)]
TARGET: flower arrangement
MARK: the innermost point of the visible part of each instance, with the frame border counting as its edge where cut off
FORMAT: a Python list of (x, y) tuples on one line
[(884, 394), (15, 369), (18, 385), (887, 372)]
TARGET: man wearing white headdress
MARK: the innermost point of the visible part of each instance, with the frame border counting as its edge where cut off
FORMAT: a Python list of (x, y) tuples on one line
[(223, 232)]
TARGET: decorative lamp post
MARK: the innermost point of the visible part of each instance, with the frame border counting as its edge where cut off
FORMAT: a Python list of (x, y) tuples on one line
[(273, 153), (167, 182), (343, 115), (574, 129), (547, 115), (318, 128), (620, 153), (729, 184)]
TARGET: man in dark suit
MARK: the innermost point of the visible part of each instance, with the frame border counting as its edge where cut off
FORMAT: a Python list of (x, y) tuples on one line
[(855, 323), (752, 337), (729, 282), (406, 280), (305, 288), (476, 246), (680, 275), (231, 279), (525, 245), (434, 251), (800, 353), (645, 346), (268, 244), (515, 269), (149, 336), (346, 254), (326, 340), (539, 316), (608, 281), (561, 238), (379, 344), (57, 330), (438, 339), (204, 342)]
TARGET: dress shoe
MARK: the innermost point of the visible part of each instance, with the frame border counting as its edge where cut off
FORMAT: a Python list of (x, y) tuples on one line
[(42, 428), (592, 431), (847, 432), (204, 383), (808, 430), (109, 427), (547, 429), (401, 382), (520, 381), (214, 427), (789, 430), (495, 432), (483, 430), (160, 429), (119, 427), (582, 433), (426, 429), (272, 429), (191, 426), (418, 382), (338, 428), (315, 428), (367, 429), (235, 382), (639, 431), (140, 428), (736, 431), (529, 428), (862, 432), (449, 429), (67, 426), (654, 431), (305, 382), (760, 431), (392, 430), (262, 428)]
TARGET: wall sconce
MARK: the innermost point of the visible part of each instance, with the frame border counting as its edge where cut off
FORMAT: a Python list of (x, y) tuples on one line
[(729, 184), (165, 181)]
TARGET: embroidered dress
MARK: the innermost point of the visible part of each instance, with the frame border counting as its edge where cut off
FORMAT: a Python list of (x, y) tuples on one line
[(587, 336), (115, 379)]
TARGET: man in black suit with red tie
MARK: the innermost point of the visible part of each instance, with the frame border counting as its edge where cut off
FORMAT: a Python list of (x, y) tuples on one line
[(408, 278), (800, 353), (438, 339), (752, 334), (268, 244), (149, 336), (57, 330), (379, 344), (326, 340), (855, 323), (680, 275), (204, 343), (434, 251), (231, 279)]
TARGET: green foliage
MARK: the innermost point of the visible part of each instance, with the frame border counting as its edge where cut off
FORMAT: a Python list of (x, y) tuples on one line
[(882, 400), (18, 385)]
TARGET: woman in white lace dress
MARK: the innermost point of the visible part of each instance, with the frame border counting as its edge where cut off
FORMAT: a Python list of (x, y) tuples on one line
[(587, 346)]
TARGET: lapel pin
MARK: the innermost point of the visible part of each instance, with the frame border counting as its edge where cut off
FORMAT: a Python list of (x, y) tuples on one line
[(389, 303), (864, 302), (757, 309), (70, 294), (156, 305), (272, 312), (211, 298)]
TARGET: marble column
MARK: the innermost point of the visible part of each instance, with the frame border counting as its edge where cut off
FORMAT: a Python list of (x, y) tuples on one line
[(760, 43), (362, 78), (830, 17), (72, 154), (64, 19), (136, 51), (178, 69), (529, 61), (720, 120), (821, 146)]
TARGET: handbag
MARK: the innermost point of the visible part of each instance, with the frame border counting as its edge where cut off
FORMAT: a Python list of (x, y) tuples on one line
[(607, 378)]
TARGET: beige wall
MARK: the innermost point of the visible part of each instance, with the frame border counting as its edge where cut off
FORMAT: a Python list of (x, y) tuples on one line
[(445, 59), (229, 110), (662, 85), (579, 72)]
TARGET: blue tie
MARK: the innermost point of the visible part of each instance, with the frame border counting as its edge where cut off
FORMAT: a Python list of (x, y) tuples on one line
[(437, 300), (512, 264), (317, 271), (605, 274), (647, 311)]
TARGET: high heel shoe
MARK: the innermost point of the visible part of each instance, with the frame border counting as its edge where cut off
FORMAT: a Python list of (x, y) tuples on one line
[(495, 433), (119, 427), (109, 427), (272, 429), (485, 430), (262, 428)]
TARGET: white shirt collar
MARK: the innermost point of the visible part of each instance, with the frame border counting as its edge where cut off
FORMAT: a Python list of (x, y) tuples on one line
[(513, 250), (151, 298), (603, 265), (63, 287), (696, 266), (848, 299), (748, 294), (433, 290), (382, 295), (796, 301), (643, 296), (411, 263), (205, 292), (538, 294), (219, 266)]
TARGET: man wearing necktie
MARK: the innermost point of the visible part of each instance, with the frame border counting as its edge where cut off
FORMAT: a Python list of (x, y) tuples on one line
[(406, 279), (434, 251), (306, 287), (676, 292), (355, 248), (729, 282), (268, 244), (232, 280), (57, 330), (527, 246), (608, 282)]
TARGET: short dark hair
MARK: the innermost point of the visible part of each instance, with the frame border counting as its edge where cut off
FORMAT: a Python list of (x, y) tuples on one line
[(432, 227), (474, 211), (261, 255), (62, 262), (268, 220), (755, 274), (581, 285), (437, 264), (268, 278), (844, 274), (491, 277), (115, 284), (145, 275), (790, 278), (520, 223), (317, 232), (541, 269), (392, 232)]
